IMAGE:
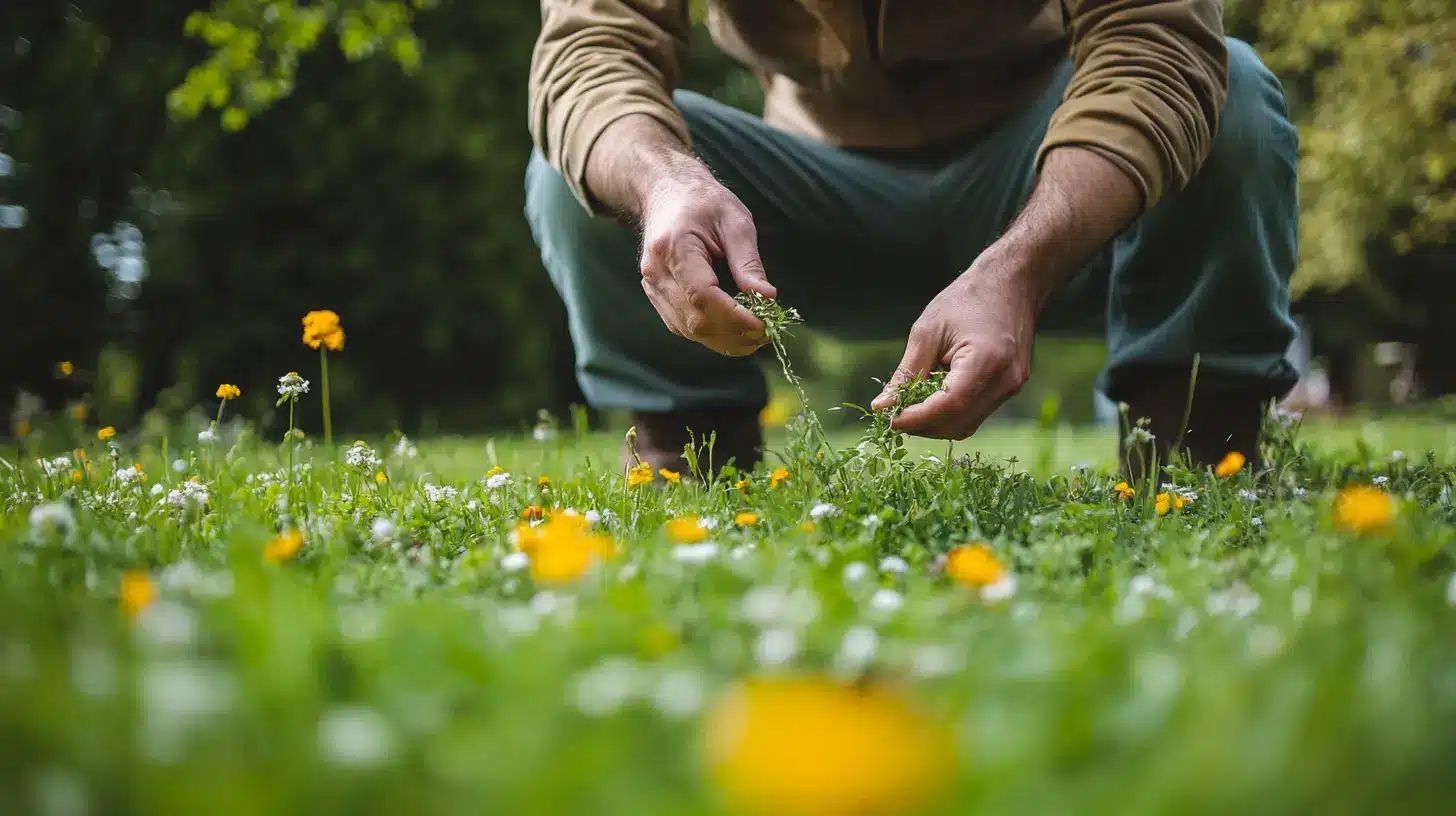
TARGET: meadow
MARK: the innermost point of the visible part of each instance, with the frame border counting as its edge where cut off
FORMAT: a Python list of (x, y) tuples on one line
[(517, 626)]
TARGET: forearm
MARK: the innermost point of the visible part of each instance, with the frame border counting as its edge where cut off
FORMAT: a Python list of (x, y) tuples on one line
[(1080, 203), (632, 156)]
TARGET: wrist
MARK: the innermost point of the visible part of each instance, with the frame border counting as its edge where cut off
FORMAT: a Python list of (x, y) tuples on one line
[(1019, 271)]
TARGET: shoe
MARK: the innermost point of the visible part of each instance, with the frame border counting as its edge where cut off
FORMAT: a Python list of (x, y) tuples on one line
[(1225, 417), (662, 436)]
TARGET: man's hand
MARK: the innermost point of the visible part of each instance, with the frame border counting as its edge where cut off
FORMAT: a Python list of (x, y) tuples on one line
[(689, 221), (982, 327), (983, 324)]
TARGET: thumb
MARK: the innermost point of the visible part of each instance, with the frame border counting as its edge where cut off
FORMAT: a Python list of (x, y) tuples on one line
[(920, 357), (740, 250)]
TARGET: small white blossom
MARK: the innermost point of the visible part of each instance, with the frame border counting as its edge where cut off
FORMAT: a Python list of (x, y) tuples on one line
[(1257, 521), (592, 517), (1247, 494), (363, 457), (179, 465), (1140, 436), (190, 494), (700, 553), (1301, 601), (1380, 480), (1238, 601), (776, 647), (1003, 589), (404, 449), (292, 386), (515, 561), (382, 529), (1397, 455), (823, 510), (857, 648), (355, 737), (56, 466), (56, 516), (886, 602), (678, 693), (932, 661), (498, 481), (856, 571), (894, 564), (440, 493), (607, 686), (206, 436)]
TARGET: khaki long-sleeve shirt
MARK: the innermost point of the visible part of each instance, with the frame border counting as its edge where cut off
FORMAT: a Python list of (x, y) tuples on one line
[(1149, 83)]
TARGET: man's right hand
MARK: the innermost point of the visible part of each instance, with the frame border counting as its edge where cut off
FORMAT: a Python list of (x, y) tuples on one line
[(689, 221)]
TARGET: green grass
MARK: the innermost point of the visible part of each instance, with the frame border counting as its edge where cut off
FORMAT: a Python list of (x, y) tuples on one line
[(1243, 654)]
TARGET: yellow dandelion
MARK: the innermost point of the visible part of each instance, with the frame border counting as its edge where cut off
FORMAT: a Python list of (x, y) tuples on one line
[(808, 526), (106, 433), (746, 519), (1124, 490), (974, 565), (137, 593), (283, 547), (778, 477), (544, 483), (495, 471), (1232, 463), (670, 475), (321, 328), (639, 474), (1164, 502), (65, 368), (742, 485), (562, 549), (811, 745), (380, 478), (1363, 509), (227, 391), (686, 530)]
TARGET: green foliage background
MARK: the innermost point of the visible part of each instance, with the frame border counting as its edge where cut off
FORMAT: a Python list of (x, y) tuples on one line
[(367, 155)]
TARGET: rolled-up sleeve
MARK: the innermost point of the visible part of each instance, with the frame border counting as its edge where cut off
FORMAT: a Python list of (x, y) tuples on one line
[(1149, 82), (595, 62)]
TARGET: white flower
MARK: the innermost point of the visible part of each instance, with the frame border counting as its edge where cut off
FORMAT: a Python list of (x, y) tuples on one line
[(857, 648), (1397, 455), (56, 466), (775, 647), (190, 494), (179, 465), (405, 449), (1247, 494), (187, 577), (931, 661), (741, 551), (1257, 521), (167, 623), (354, 736), (700, 553), (498, 481), (382, 529), (1301, 601), (440, 493), (362, 456), (1451, 590), (1237, 601), (515, 561), (292, 386), (157, 489), (871, 522), (678, 693), (1380, 480), (856, 571), (1081, 466), (1186, 492), (54, 516), (628, 572), (541, 434), (1003, 589), (823, 510), (886, 602), (206, 436), (1140, 435), (1187, 620), (607, 686), (894, 564), (708, 523), (592, 517)]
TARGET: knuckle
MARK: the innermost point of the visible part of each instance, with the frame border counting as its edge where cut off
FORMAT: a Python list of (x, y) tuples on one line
[(697, 297), (694, 325)]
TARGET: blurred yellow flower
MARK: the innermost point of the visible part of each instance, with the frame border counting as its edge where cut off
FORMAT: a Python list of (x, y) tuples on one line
[(321, 327), (1124, 490), (562, 549), (742, 485), (75, 475), (22, 427), (106, 433), (1363, 509), (639, 474), (380, 477), (283, 547), (778, 411), (1163, 502), (974, 565), (1232, 463), (494, 471), (227, 392), (79, 411), (533, 512), (137, 593), (808, 526), (686, 530), (544, 483), (808, 745), (670, 475), (745, 519), (65, 368), (778, 477)]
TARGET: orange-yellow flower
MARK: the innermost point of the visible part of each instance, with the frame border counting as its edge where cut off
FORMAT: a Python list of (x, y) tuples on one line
[(283, 547), (544, 483), (778, 477), (810, 745), (1363, 509), (742, 485), (137, 593), (106, 433), (321, 327), (1124, 490), (808, 526), (79, 411), (1232, 463), (686, 530), (66, 368), (533, 512), (670, 475), (562, 549), (639, 474), (1163, 502), (777, 412), (380, 477), (974, 565), (745, 519), (227, 391), (22, 427)]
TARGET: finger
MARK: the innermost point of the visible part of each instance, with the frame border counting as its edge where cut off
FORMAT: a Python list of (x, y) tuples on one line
[(664, 308), (708, 313), (974, 387), (740, 250), (921, 355)]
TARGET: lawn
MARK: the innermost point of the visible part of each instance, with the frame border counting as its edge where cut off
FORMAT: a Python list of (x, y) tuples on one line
[(432, 627)]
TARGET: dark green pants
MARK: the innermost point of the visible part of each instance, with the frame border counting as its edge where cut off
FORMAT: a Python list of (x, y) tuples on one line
[(860, 243)]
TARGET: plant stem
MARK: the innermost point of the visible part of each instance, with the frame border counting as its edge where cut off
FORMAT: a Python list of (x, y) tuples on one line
[(324, 378)]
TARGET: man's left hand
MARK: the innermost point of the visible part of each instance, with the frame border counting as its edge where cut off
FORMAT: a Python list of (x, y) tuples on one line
[(982, 326)]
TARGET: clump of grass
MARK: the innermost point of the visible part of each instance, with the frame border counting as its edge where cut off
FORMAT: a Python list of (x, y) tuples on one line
[(777, 320), (913, 391)]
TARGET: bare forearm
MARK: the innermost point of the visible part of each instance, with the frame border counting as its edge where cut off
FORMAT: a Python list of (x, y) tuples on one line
[(631, 157), (1080, 203)]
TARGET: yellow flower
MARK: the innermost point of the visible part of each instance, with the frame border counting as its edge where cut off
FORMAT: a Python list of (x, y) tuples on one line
[(1363, 509), (1231, 463), (1163, 502), (533, 512), (777, 412), (380, 477), (810, 745), (321, 327), (808, 526), (22, 427), (778, 477), (137, 593), (283, 547), (78, 412), (671, 475), (742, 485), (544, 483), (65, 368), (745, 519), (562, 549), (106, 433), (686, 530), (227, 392), (75, 475), (495, 471), (639, 474), (974, 565), (1124, 490)]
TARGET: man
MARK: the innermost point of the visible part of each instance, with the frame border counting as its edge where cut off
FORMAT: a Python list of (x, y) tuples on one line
[(974, 170)]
